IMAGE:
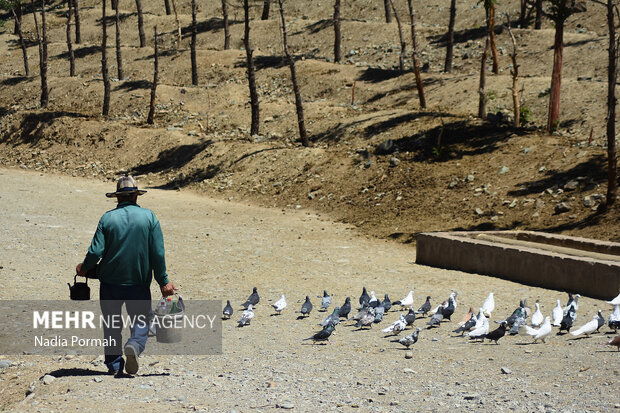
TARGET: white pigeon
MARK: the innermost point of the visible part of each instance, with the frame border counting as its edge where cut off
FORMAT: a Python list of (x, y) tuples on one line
[(588, 328), (614, 318), (373, 297), (246, 316), (558, 314), (397, 326), (537, 317), (615, 301), (407, 301), (481, 329), (540, 333), (489, 305), (480, 320), (574, 302), (280, 304)]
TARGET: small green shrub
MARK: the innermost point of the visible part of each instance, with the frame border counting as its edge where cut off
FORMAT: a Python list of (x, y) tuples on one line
[(525, 115)]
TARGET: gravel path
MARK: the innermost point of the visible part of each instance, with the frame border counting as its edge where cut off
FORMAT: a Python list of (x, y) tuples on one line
[(220, 250)]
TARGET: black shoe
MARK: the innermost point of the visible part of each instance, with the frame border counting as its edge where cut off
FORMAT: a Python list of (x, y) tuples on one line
[(112, 372)]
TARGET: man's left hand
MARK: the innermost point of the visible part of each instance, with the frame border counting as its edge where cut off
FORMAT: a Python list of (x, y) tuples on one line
[(168, 289)]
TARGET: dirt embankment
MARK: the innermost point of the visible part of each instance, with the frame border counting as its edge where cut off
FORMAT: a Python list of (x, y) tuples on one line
[(439, 168)]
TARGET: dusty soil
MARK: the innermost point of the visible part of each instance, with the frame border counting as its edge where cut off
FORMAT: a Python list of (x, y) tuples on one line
[(482, 175), (219, 250)]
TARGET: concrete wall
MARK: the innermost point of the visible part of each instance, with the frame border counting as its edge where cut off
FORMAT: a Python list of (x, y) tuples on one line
[(459, 251)]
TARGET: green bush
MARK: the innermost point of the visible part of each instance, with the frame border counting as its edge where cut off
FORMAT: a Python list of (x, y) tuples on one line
[(525, 115)]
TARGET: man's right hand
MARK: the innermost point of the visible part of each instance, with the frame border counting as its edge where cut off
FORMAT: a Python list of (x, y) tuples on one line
[(168, 289), (79, 271)]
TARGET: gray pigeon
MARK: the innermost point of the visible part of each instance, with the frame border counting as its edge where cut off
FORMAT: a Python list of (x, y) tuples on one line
[(361, 313), (518, 318), (332, 319), (326, 301), (379, 311), (510, 320), (411, 339), (228, 310), (306, 307), (252, 300), (364, 298), (426, 307), (345, 309), (386, 303), (410, 317), (322, 335), (435, 320), (367, 320)]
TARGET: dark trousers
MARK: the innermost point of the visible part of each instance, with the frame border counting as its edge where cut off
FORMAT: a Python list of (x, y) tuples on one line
[(137, 300)]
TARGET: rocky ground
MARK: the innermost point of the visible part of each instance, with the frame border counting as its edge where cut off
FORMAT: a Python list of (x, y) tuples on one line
[(220, 250), (439, 168)]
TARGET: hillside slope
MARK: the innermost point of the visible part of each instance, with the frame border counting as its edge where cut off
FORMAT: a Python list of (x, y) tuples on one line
[(443, 168)]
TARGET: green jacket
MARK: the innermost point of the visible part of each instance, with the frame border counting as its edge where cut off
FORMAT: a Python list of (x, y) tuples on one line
[(130, 245)]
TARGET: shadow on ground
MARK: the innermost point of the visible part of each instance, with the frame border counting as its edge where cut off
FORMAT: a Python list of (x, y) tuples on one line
[(80, 52), (32, 125), (131, 85), (172, 159), (595, 169)]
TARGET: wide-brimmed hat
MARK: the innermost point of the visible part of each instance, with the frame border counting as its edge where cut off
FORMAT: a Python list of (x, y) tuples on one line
[(126, 185)]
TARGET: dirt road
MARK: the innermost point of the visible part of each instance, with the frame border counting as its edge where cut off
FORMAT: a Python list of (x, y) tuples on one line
[(220, 250)]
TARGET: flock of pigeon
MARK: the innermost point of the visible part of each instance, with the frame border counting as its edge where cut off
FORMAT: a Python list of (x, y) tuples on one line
[(474, 325)]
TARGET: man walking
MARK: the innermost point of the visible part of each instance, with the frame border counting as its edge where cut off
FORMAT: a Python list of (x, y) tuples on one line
[(127, 251)]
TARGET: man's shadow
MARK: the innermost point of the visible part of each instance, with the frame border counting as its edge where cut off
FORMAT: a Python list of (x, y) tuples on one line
[(80, 372)]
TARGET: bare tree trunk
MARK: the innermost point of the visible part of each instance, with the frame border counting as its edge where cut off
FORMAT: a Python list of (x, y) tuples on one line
[(299, 106), (523, 14), (193, 46), (42, 40), (539, 15), (140, 24), (119, 58), (176, 17), (151, 117), (556, 77), (44, 88), (414, 56), (266, 5), (482, 103), (69, 45), (226, 27), (251, 76), (17, 14), (403, 44), (491, 25), (114, 4), (515, 78), (167, 6), (22, 43), (337, 35), (612, 76), (78, 31), (450, 38), (104, 63), (388, 11)]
